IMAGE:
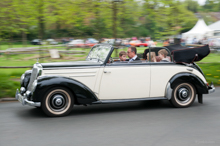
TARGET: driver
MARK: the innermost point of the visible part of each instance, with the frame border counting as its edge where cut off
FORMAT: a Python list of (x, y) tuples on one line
[(132, 51)]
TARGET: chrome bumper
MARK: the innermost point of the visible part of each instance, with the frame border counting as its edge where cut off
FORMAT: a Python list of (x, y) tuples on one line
[(23, 100), (211, 88)]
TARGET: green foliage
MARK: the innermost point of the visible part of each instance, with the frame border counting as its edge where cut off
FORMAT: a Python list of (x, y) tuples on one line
[(86, 18), (7, 86), (212, 6), (95, 18), (192, 5)]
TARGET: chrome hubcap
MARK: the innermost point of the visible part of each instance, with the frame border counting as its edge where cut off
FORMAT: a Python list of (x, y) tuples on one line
[(57, 101), (183, 94)]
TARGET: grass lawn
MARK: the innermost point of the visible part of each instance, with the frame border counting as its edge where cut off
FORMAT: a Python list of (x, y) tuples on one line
[(212, 57), (211, 72), (9, 78)]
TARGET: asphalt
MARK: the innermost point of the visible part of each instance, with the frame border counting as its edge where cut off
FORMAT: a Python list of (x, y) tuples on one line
[(149, 123)]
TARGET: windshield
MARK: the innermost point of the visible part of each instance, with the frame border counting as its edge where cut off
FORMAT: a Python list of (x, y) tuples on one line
[(99, 53)]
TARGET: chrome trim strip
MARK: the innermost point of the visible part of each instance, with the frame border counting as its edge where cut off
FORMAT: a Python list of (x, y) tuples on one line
[(71, 72), (56, 68), (139, 65), (189, 69), (23, 100), (83, 75), (127, 100), (168, 92), (120, 66)]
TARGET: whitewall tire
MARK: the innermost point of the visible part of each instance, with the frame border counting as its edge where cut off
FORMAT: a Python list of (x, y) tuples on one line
[(183, 95), (58, 102)]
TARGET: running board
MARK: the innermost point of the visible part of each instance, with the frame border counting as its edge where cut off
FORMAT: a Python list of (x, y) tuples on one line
[(127, 100)]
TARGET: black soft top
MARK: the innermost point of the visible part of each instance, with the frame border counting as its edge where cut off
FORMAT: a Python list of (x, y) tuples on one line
[(183, 54)]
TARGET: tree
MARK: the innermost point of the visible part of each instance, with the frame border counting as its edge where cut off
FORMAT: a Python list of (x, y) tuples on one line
[(8, 23), (24, 17), (212, 6), (192, 5)]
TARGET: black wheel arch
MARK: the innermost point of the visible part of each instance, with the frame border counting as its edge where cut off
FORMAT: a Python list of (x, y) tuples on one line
[(200, 86), (82, 94)]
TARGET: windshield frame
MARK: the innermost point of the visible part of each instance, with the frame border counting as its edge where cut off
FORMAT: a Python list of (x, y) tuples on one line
[(108, 55)]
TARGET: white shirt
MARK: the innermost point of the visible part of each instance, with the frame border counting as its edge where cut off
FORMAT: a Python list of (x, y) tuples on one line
[(132, 59)]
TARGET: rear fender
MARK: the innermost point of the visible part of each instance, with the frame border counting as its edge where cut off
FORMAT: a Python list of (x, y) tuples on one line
[(200, 86)]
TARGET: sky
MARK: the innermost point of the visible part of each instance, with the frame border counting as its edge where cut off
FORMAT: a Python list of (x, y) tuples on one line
[(201, 2)]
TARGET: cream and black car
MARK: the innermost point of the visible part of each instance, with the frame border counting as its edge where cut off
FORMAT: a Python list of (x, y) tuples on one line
[(57, 87)]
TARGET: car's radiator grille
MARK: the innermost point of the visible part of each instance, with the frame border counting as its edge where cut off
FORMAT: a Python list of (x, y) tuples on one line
[(33, 76)]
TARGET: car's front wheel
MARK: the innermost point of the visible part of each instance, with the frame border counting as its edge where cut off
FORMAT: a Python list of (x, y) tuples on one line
[(57, 102), (183, 95)]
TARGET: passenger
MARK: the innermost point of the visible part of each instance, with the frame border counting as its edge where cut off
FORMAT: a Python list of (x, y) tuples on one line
[(132, 51), (163, 55), (145, 53), (122, 56), (158, 59), (152, 56)]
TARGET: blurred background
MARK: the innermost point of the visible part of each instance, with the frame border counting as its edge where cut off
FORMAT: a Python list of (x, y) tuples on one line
[(65, 30)]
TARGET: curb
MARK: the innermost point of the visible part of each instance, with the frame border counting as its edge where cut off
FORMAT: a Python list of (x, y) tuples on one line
[(8, 99)]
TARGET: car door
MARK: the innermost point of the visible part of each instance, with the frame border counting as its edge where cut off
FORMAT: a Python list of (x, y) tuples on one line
[(125, 81)]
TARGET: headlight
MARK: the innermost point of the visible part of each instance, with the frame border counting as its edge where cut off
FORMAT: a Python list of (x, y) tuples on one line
[(22, 79)]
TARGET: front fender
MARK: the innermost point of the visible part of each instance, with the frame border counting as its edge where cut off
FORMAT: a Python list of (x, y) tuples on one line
[(200, 86), (82, 94)]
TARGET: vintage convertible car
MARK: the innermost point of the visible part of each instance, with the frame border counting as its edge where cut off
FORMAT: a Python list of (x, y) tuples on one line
[(56, 87)]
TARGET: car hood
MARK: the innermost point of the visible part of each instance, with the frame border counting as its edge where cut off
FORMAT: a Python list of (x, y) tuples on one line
[(70, 64)]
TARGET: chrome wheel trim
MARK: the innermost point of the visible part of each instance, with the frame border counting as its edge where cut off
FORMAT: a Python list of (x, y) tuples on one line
[(58, 101), (184, 94)]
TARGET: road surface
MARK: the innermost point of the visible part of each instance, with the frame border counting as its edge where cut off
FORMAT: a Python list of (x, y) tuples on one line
[(149, 123)]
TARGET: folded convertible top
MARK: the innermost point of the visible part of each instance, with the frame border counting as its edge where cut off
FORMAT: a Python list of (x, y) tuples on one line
[(183, 54)]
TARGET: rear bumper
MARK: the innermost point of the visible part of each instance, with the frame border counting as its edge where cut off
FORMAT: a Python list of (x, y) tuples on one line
[(24, 101), (211, 88)]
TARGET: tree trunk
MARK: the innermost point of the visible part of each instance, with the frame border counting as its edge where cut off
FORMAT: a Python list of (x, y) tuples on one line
[(97, 24), (41, 20), (24, 38), (11, 41), (57, 29), (114, 16), (114, 26)]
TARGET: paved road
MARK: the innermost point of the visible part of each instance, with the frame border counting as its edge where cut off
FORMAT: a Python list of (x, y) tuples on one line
[(150, 123)]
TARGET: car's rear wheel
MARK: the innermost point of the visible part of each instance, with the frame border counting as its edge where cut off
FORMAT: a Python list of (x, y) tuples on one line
[(183, 95), (57, 102)]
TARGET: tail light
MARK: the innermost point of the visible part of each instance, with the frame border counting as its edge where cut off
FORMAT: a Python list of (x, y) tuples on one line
[(207, 84)]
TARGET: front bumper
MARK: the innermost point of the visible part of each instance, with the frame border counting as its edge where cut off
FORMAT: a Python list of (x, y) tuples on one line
[(211, 88), (23, 100)]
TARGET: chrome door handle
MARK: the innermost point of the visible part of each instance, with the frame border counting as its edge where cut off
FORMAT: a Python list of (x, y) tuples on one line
[(189, 69), (107, 72)]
